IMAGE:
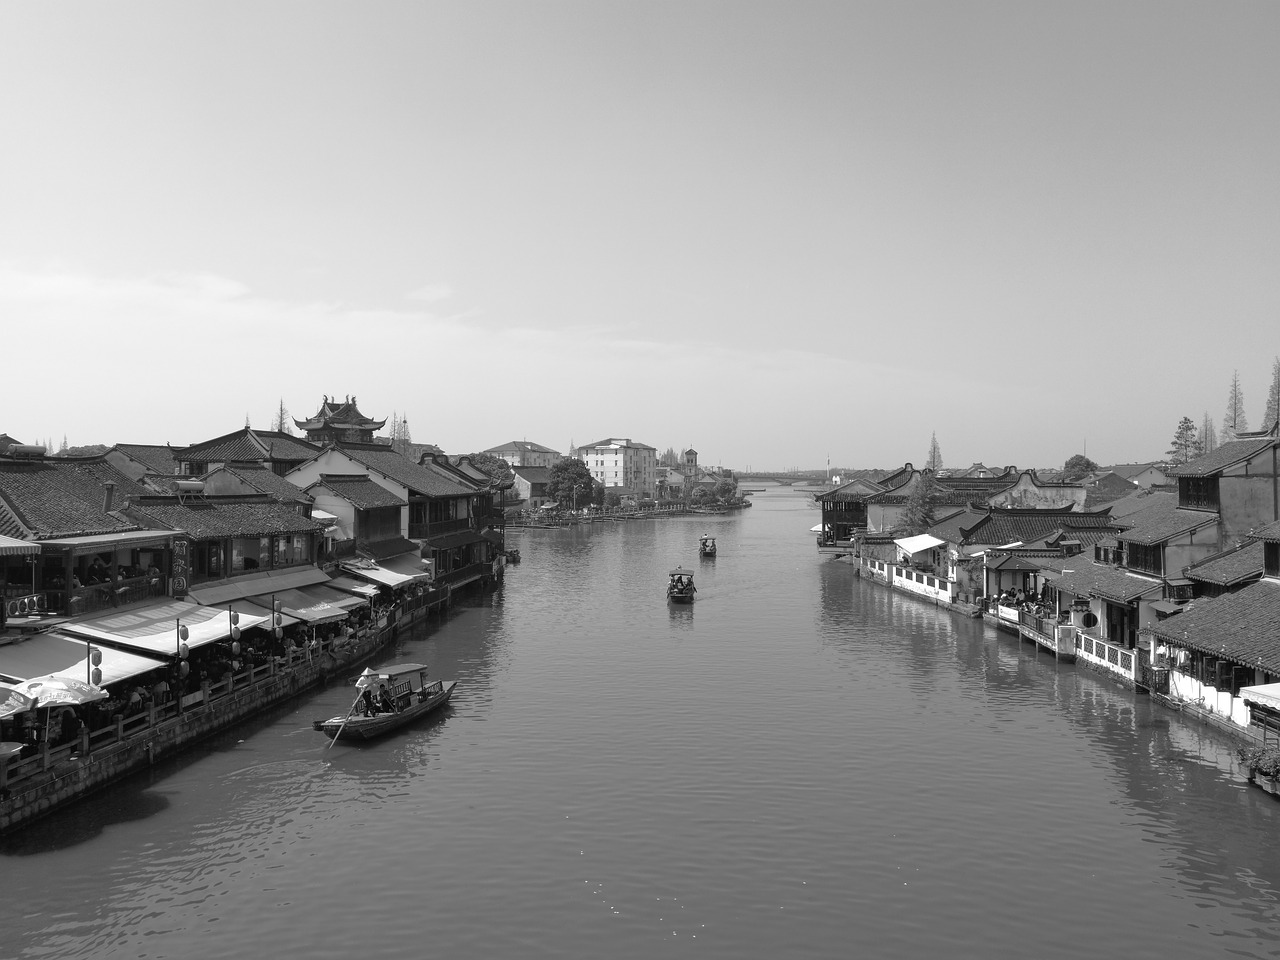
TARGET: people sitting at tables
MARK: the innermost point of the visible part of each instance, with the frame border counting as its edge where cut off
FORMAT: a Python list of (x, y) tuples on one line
[(97, 571)]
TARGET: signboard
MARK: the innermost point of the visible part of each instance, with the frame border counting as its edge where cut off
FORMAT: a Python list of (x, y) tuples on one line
[(181, 569)]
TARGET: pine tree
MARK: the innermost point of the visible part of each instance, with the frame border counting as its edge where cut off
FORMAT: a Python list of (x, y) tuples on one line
[(1184, 441), (1272, 413), (1208, 435), (63, 449), (1234, 422), (934, 460), (280, 424)]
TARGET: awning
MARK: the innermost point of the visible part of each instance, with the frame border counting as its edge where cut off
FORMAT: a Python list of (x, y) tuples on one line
[(1166, 607), (154, 628), (395, 572), (10, 547), (257, 584), (55, 655), (102, 542), (247, 608), (312, 606), (327, 594), (324, 516), (913, 545), (379, 550), (1266, 695), (357, 587)]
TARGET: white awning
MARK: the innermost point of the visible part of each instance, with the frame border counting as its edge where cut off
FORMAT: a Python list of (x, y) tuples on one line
[(10, 547), (55, 655), (154, 628), (913, 545), (1266, 695)]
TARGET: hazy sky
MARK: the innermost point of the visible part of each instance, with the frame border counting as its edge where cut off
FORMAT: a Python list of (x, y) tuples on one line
[(777, 232)]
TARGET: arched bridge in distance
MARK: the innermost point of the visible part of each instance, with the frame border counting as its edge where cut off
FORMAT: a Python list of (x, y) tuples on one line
[(783, 477)]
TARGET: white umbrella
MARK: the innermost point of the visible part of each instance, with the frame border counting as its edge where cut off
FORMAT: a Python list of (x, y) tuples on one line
[(60, 691)]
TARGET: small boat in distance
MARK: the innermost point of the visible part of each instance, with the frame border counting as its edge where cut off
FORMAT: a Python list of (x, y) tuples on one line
[(386, 700), (680, 588), (707, 546)]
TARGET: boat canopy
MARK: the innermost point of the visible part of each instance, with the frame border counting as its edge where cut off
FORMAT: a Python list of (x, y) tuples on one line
[(681, 572)]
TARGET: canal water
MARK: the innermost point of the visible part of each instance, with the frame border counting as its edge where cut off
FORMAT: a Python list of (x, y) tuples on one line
[(800, 764)]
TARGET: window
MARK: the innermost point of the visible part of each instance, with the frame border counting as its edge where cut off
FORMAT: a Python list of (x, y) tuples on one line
[(1148, 558)]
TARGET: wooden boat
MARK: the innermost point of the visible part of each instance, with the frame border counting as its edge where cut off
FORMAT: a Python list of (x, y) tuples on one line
[(680, 588), (373, 714), (707, 546)]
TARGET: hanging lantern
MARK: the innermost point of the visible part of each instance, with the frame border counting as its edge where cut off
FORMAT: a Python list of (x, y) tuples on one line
[(183, 651), (235, 618), (279, 620), (184, 668), (278, 632), (235, 633), (96, 677), (183, 633), (95, 657), (235, 648)]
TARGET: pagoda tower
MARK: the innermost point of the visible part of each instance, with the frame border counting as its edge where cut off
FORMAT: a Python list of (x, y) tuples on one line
[(339, 422)]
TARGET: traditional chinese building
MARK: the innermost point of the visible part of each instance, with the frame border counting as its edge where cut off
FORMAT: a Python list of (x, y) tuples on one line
[(339, 422)]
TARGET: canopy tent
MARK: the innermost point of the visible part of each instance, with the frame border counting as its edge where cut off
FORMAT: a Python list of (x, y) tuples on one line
[(154, 628), (9, 547), (55, 655), (913, 545)]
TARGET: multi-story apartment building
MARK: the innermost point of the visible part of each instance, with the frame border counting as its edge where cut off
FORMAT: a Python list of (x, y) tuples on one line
[(623, 463)]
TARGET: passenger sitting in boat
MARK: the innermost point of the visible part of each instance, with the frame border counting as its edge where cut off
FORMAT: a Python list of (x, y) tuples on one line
[(385, 702)]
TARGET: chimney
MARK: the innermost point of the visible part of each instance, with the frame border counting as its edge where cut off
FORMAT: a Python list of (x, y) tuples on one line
[(109, 491)]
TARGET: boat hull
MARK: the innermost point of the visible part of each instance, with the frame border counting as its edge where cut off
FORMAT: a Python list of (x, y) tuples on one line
[(352, 729)]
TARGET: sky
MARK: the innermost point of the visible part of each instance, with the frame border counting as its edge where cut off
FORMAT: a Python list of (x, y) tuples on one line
[(783, 233)]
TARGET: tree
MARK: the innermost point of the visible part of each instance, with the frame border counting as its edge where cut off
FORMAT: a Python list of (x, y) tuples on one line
[(62, 450), (724, 489), (919, 512), (401, 440), (1234, 422), (1077, 467), (669, 458), (495, 467), (280, 423), (570, 483), (1185, 442), (934, 460), (1272, 413), (1208, 435)]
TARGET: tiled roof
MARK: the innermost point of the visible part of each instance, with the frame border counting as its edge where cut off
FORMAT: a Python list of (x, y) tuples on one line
[(1011, 526), (61, 497), (1123, 508), (954, 491), (1243, 626), (1220, 458), (1162, 521), (333, 413), (533, 474), (1229, 567), (214, 517), (853, 490), (358, 490), (1085, 578), (526, 446), (248, 445), (1270, 533), (157, 458), (419, 478), (264, 480)]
